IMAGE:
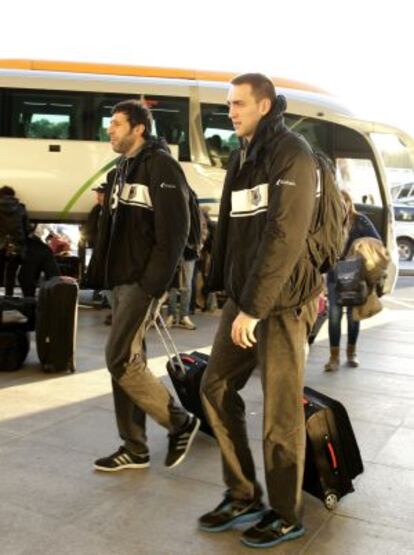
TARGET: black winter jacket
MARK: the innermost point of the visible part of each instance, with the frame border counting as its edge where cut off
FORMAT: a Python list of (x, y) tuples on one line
[(260, 256), (145, 223)]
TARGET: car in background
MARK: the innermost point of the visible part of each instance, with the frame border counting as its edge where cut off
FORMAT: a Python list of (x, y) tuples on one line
[(404, 231), (403, 194)]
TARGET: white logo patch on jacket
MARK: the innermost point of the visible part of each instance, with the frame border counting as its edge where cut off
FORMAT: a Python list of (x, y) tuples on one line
[(285, 182), (136, 194), (249, 202)]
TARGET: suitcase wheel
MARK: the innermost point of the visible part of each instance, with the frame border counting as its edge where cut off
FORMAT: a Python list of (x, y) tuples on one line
[(331, 500)]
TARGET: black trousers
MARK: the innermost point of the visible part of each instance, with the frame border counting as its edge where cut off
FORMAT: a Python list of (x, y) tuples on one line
[(137, 391), (280, 353), (8, 270)]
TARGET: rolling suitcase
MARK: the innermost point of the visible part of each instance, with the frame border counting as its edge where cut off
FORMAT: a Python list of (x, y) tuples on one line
[(56, 323), (185, 371), (333, 459)]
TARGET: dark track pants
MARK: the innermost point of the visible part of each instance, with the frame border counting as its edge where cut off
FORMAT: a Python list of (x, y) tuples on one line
[(137, 392), (280, 351)]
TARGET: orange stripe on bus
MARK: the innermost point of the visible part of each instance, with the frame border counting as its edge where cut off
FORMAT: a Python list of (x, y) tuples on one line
[(143, 71)]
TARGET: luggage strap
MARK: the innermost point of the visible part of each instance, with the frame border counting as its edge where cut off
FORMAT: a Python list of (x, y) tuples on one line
[(167, 341)]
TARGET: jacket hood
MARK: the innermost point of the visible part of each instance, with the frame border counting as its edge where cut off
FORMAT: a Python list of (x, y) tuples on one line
[(154, 143), (272, 123), (150, 147)]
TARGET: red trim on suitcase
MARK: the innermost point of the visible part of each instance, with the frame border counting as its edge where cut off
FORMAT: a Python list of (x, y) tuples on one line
[(333, 456), (187, 358)]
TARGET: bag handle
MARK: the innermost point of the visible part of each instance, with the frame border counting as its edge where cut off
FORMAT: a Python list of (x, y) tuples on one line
[(168, 342)]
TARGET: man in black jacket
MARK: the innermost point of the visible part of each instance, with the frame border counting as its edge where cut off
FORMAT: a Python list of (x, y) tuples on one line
[(260, 258), (143, 232)]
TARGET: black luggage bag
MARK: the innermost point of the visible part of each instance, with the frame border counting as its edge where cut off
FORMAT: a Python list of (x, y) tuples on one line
[(14, 347), (17, 318), (332, 454), (186, 372), (186, 380), (24, 310), (56, 323)]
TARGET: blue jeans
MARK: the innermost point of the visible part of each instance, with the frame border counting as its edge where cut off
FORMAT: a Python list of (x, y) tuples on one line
[(335, 317), (186, 281)]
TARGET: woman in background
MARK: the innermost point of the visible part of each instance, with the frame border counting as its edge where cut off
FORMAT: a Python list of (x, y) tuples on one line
[(359, 226)]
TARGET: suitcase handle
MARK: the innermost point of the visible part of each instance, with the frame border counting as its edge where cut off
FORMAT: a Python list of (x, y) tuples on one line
[(168, 343)]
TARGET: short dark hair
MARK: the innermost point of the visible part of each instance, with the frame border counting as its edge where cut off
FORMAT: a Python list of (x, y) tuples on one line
[(262, 86), (136, 114), (7, 191)]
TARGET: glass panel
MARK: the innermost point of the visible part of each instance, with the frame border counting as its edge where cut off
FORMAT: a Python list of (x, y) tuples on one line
[(315, 131), (399, 165), (218, 133), (170, 115), (404, 213), (221, 138), (45, 115), (359, 178)]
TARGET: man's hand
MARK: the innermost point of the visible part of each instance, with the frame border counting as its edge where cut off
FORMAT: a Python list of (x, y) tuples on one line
[(242, 330)]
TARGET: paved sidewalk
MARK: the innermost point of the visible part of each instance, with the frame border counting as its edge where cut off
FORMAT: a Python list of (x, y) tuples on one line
[(53, 427)]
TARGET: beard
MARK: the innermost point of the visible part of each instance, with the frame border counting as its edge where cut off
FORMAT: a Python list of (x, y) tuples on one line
[(123, 145)]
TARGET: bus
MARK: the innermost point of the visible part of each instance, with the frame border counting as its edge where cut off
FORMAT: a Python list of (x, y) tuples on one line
[(54, 146)]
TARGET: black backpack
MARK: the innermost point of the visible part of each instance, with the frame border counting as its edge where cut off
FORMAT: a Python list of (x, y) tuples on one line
[(328, 232), (12, 226), (194, 241), (350, 286)]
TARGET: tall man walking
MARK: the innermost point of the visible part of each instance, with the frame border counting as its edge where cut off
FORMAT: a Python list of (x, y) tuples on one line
[(144, 229), (260, 258)]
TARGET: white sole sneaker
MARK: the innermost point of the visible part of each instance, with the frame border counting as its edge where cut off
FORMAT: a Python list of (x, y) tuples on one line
[(190, 441), (118, 468)]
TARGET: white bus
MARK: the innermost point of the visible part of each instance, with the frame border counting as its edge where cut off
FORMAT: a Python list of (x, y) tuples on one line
[(54, 147)]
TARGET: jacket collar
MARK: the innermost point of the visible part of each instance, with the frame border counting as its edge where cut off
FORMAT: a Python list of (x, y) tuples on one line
[(270, 126)]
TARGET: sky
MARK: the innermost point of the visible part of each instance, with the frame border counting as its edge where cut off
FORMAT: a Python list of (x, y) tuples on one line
[(358, 50)]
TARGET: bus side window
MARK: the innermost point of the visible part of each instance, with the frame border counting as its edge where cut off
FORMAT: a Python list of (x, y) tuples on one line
[(46, 115), (170, 119), (218, 134)]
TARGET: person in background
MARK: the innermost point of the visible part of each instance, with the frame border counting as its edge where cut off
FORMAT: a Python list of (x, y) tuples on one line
[(179, 312), (183, 283), (14, 230), (358, 226), (39, 259), (202, 298), (91, 228)]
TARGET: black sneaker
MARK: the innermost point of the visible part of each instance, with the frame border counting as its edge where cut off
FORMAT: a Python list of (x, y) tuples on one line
[(179, 444), (231, 512), (122, 459), (270, 531)]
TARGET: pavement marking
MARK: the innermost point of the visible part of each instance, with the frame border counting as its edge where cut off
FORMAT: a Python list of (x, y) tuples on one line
[(400, 302)]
